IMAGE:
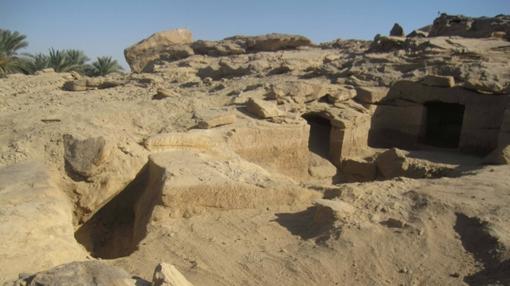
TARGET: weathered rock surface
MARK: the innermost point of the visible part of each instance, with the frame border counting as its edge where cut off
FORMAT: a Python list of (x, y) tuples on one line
[(225, 69), (142, 53), (36, 226), (296, 91), (197, 140), (271, 42), (84, 156), (458, 25), (217, 48)]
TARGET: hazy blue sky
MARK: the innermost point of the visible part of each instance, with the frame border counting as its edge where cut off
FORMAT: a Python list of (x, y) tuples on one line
[(107, 27)]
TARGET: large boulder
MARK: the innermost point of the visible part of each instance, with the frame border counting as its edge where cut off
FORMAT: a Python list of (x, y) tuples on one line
[(397, 31), (81, 273), (144, 52)]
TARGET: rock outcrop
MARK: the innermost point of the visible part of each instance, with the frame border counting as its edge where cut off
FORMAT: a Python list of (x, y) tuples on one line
[(458, 25), (397, 31), (140, 55), (271, 42)]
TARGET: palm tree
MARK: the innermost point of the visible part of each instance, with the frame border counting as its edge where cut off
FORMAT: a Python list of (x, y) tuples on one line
[(7, 65), (103, 66), (10, 43), (76, 60), (35, 63), (67, 60)]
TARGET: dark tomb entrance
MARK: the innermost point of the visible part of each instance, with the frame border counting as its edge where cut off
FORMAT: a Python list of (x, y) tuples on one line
[(443, 124), (320, 128)]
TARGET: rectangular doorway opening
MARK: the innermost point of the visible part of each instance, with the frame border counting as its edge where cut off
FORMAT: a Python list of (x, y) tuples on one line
[(320, 128), (443, 124)]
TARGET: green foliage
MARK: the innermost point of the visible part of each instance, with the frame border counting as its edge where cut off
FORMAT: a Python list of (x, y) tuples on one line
[(10, 43), (59, 60), (37, 62), (67, 60), (103, 66)]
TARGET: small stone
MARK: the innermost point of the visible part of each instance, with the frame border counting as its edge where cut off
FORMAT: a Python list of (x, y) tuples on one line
[(262, 108), (214, 118), (393, 223), (75, 85), (439, 81), (167, 275), (370, 95), (207, 80), (164, 93)]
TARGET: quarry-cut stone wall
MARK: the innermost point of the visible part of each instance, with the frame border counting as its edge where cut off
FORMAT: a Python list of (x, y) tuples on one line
[(278, 147), (401, 119)]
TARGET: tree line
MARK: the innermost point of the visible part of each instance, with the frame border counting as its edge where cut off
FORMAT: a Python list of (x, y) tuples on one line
[(11, 61)]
